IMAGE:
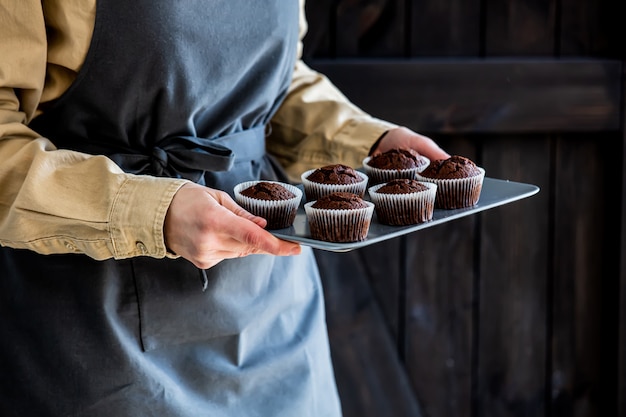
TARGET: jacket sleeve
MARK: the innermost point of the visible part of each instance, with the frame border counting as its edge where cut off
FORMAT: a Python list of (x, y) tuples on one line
[(60, 201), (317, 125)]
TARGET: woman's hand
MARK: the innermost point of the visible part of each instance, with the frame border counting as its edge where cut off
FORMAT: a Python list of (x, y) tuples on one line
[(206, 226), (402, 137)]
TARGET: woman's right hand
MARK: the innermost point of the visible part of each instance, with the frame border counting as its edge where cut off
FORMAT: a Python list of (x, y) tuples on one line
[(206, 226)]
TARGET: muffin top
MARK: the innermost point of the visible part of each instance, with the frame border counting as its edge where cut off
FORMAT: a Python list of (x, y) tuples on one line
[(268, 191), (340, 201), (452, 168), (396, 158), (402, 186), (335, 174)]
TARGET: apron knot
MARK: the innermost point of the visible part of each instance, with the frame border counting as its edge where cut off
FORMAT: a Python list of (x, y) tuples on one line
[(188, 157), (159, 161)]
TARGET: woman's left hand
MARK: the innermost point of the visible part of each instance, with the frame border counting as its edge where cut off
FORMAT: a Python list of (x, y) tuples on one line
[(402, 137)]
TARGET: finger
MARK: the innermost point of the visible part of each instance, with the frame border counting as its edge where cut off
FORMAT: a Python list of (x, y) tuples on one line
[(403, 137), (243, 213), (235, 249), (257, 240), (227, 202), (431, 149), (247, 229)]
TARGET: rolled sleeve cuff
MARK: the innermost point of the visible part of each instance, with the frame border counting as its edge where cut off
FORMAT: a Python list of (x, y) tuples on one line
[(138, 214)]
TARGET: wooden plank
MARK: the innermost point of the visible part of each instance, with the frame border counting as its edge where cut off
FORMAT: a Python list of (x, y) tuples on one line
[(621, 368), (445, 28), (370, 28), (370, 379), (382, 262), (612, 211), (513, 299), (439, 330), (439, 325), (484, 96), (592, 28), (504, 96), (520, 28), (585, 272), (319, 41)]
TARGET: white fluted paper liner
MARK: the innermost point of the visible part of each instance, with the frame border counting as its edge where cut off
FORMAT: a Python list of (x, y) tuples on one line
[(378, 176), (404, 209), (457, 193), (278, 213), (315, 190), (339, 226)]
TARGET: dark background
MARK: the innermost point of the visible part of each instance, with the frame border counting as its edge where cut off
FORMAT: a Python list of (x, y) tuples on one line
[(515, 311)]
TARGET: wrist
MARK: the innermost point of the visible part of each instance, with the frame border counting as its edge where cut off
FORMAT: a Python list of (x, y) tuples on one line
[(375, 145)]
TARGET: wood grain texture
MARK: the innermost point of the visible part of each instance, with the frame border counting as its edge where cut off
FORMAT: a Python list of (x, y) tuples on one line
[(621, 343), (581, 273), (592, 29), (527, 318), (513, 282), (370, 28), (439, 332), (382, 262), (445, 28), (349, 28), (484, 96), (370, 378), (520, 28), (320, 37)]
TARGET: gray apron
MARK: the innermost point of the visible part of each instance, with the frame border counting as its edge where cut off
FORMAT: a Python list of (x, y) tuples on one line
[(180, 89)]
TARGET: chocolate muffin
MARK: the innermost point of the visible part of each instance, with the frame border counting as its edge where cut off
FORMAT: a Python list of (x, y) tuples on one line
[(394, 163), (402, 186), (265, 190), (339, 217), (459, 181), (454, 167), (333, 178), (403, 201), (396, 159), (340, 201), (335, 174), (276, 202)]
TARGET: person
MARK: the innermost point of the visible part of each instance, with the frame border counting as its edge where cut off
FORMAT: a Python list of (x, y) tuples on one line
[(131, 284)]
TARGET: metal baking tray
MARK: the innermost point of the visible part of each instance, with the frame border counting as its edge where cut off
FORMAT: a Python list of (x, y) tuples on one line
[(494, 193)]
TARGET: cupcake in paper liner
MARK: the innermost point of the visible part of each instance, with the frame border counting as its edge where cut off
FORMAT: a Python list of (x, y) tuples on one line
[(459, 181), (275, 201), (403, 202), (339, 217), (394, 163), (333, 178)]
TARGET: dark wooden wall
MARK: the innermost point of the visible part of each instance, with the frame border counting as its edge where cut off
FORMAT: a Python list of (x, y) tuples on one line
[(515, 311)]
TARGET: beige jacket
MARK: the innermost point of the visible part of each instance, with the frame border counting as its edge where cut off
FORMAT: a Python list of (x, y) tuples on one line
[(60, 201)]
